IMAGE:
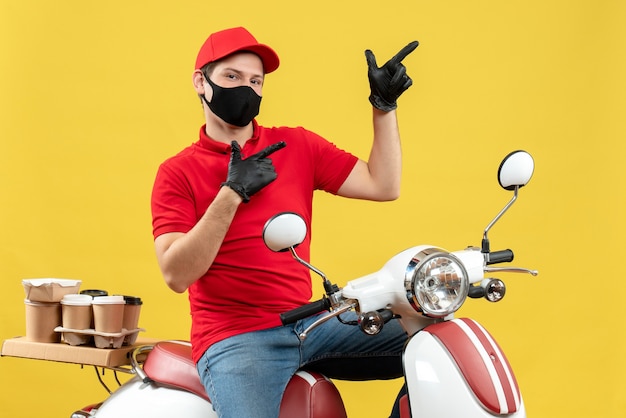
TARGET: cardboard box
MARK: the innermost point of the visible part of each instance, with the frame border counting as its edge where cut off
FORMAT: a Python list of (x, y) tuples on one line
[(49, 290), (116, 357)]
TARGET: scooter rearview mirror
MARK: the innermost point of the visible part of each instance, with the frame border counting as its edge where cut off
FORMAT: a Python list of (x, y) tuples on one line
[(284, 231), (516, 170)]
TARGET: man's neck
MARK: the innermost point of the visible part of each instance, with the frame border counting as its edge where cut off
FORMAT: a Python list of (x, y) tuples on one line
[(220, 131)]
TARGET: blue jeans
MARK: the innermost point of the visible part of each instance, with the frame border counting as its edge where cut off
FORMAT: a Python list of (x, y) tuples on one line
[(246, 375)]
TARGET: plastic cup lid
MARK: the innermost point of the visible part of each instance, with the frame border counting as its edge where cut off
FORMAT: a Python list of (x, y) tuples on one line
[(108, 300), (94, 292), (133, 300), (78, 300)]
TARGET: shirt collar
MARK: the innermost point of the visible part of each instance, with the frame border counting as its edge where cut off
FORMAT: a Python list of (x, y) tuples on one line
[(216, 146)]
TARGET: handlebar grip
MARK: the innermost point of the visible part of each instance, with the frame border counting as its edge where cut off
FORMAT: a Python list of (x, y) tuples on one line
[(304, 311), (503, 256)]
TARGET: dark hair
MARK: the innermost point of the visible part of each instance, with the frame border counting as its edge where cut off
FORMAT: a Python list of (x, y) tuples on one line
[(207, 70)]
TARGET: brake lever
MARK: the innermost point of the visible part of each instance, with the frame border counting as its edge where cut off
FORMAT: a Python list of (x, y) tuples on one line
[(510, 270), (333, 314)]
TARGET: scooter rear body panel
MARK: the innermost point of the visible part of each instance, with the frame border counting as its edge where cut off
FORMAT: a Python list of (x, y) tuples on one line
[(138, 399)]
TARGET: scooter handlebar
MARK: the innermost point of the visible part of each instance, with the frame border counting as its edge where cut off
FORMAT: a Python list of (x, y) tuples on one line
[(304, 311), (503, 256)]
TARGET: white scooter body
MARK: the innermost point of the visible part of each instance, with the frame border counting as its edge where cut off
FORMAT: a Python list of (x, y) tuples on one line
[(137, 399), (453, 367), (385, 288)]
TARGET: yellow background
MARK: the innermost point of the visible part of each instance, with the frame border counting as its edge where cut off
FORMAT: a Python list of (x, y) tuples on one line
[(94, 95)]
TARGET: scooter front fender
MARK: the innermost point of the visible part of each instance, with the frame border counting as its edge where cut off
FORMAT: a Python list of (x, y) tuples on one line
[(455, 368), (137, 399)]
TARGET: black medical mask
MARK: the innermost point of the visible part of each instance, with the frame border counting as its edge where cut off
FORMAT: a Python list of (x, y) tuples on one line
[(235, 105)]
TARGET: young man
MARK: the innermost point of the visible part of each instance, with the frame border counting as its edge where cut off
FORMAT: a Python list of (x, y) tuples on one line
[(210, 203)]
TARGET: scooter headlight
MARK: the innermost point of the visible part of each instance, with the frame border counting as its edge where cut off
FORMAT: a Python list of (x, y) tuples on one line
[(436, 283)]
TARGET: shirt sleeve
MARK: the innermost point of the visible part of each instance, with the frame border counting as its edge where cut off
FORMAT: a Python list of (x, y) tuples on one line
[(172, 204), (332, 164)]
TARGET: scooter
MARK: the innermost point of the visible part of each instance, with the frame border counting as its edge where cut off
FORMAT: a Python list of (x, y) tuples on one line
[(453, 367)]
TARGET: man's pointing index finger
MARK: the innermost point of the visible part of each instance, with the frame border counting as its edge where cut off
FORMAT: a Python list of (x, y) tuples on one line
[(404, 52), (271, 149)]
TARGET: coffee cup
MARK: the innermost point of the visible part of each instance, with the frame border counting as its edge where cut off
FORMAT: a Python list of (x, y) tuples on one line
[(76, 311), (132, 309), (94, 293), (108, 313), (41, 320)]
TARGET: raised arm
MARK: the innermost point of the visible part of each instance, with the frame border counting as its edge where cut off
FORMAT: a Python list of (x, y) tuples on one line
[(379, 177)]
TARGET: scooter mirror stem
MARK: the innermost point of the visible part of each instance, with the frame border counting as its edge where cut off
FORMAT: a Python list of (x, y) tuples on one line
[(329, 287), (485, 243), (308, 265)]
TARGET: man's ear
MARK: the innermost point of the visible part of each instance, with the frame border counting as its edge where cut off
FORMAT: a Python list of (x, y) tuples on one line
[(198, 82)]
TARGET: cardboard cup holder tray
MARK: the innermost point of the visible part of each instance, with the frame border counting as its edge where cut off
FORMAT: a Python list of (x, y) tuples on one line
[(101, 339)]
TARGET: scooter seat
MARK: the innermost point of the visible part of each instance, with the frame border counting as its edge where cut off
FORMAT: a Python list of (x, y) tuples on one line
[(170, 364), (308, 394)]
